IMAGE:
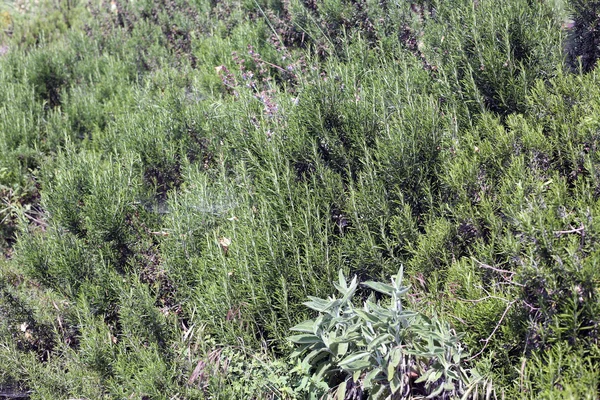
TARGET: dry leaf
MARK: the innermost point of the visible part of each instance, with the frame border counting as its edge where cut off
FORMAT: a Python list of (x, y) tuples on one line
[(224, 243), (197, 373)]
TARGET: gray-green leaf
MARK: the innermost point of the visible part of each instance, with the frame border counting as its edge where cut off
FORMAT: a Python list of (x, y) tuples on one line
[(380, 287), (304, 339)]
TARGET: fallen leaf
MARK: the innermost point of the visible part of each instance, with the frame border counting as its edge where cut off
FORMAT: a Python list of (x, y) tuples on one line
[(224, 243)]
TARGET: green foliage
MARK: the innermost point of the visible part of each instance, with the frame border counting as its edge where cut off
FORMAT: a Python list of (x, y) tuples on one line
[(238, 372), (583, 44), (386, 351), (176, 177), (563, 372), (29, 24)]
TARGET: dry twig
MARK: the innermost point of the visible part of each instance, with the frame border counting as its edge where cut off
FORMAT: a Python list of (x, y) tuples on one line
[(579, 231), (486, 266), (487, 340)]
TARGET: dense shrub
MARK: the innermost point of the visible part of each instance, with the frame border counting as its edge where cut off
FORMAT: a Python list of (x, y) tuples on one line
[(176, 177), (583, 44), (380, 349)]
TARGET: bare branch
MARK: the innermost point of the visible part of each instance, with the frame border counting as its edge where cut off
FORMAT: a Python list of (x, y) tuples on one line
[(486, 266), (483, 299), (487, 340), (579, 231)]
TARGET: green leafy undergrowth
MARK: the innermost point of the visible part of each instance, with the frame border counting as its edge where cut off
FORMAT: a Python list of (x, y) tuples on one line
[(175, 164), (381, 349)]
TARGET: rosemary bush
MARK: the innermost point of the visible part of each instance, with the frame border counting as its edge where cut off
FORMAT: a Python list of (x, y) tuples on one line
[(176, 177)]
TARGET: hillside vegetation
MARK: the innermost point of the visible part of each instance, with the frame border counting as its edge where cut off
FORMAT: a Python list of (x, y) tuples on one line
[(178, 176)]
